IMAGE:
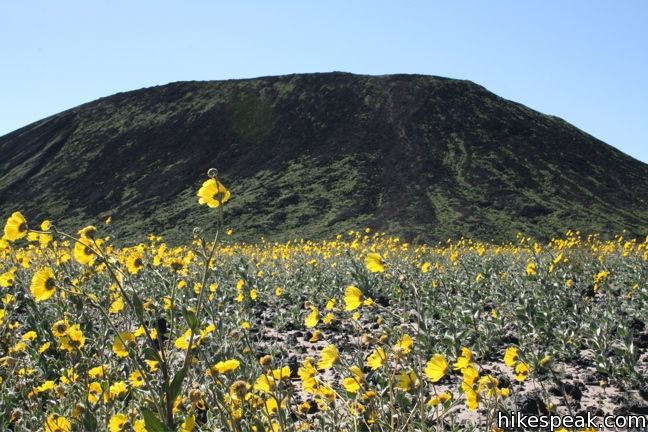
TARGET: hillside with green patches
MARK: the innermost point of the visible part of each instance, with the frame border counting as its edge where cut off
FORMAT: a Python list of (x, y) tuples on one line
[(313, 155)]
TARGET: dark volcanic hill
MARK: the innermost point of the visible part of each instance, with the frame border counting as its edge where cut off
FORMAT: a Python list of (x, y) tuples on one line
[(317, 154)]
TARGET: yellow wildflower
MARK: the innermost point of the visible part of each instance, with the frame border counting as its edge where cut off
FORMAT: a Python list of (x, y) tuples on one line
[(436, 368), (352, 298), (29, 336), (472, 398), (226, 366), (121, 342), (43, 284), (189, 424), (117, 305), (374, 263), (470, 375), (408, 381), (57, 423), (117, 422), (376, 358), (60, 328), (135, 262), (511, 356), (16, 227), (439, 399), (312, 318), (521, 371), (464, 360), (329, 356), (213, 193), (83, 253), (98, 371), (353, 383), (136, 379)]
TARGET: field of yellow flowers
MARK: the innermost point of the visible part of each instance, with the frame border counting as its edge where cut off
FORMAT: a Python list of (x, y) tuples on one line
[(362, 332)]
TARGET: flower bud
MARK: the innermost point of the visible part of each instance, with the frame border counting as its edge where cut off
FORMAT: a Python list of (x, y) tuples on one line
[(195, 395), (15, 415), (265, 361)]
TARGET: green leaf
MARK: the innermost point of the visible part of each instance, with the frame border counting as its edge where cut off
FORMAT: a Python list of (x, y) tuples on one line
[(153, 424), (176, 384), (139, 306), (191, 318), (151, 354), (89, 421)]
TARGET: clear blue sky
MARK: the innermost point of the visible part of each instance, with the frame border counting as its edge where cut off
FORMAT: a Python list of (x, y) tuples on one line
[(583, 60)]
